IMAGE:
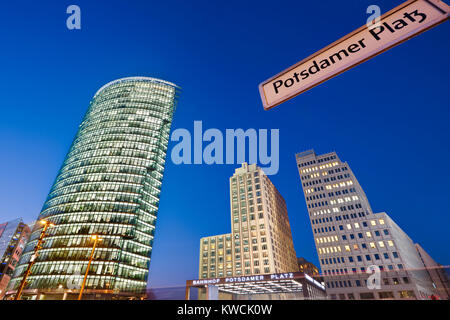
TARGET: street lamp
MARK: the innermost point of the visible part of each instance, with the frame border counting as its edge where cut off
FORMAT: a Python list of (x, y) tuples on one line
[(38, 246), (96, 238)]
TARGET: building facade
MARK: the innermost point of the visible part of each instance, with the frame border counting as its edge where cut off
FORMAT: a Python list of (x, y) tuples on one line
[(437, 274), (109, 184), (307, 267), (351, 240), (13, 238), (216, 256), (261, 239)]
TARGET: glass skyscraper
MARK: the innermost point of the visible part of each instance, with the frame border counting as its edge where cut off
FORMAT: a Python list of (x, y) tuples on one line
[(109, 184)]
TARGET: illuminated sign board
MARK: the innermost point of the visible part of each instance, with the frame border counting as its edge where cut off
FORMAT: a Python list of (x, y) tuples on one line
[(254, 278)]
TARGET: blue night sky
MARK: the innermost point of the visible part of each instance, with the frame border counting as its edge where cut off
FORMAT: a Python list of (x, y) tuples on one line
[(387, 117)]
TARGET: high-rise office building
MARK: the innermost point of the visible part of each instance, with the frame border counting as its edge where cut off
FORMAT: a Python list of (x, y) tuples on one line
[(350, 238), (13, 238), (109, 184), (261, 239), (437, 274)]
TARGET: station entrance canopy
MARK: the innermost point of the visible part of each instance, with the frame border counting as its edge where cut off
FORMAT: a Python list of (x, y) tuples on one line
[(290, 282)]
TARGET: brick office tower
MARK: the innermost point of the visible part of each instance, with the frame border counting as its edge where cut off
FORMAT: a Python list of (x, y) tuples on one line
[(261, 239), (349, 237)]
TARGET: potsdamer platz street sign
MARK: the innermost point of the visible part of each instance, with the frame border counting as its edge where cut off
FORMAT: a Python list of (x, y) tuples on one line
[(396, 26)]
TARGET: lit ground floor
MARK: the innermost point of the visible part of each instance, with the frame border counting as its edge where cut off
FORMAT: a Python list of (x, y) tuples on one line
[(393, 286), (281, 286), (68, 294)]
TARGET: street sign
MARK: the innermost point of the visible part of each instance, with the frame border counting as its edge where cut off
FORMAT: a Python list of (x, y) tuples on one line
[(400, 24)]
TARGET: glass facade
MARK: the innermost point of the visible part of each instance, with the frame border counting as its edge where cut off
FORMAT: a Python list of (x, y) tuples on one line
[(13, 237), (7, 231), (109, 184)]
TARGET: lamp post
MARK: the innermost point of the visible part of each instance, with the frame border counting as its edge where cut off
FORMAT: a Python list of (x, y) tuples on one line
[(33, 257), (96, 238)]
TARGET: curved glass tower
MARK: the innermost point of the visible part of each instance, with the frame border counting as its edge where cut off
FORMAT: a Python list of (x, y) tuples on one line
[(109, 185)]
